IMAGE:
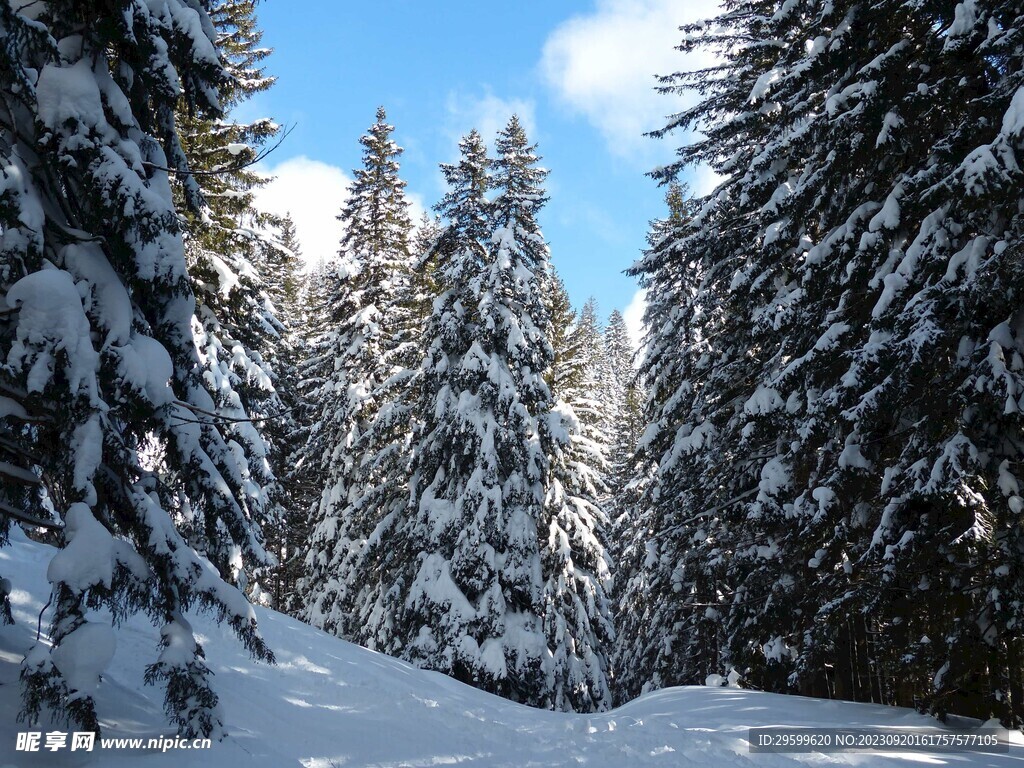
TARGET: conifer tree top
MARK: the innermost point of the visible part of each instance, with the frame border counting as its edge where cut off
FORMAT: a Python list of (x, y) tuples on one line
[(376, 213), (517, 177)]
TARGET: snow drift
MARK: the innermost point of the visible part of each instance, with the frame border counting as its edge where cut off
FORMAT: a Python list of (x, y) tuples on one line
[(328, 703)]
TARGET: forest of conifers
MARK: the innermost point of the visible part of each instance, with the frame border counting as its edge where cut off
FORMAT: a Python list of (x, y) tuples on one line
[(807, 478)]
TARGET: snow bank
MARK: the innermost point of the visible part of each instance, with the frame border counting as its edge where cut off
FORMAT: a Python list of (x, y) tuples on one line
[(329, 703)]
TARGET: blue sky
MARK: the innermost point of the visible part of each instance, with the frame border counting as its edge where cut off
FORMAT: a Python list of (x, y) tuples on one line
[(578, 72)]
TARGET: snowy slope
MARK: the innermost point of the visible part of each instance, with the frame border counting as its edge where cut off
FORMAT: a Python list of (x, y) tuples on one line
[(328, 703)]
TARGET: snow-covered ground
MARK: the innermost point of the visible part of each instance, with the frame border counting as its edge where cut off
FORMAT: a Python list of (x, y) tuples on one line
[(329, 703)]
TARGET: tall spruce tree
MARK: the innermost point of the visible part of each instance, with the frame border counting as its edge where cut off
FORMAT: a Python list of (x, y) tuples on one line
[(467, 594), (577, 497), (366, 450), (108, 420), (566, 369), (233, 262), (628, 422), (595, 402), (625, 476), (576, 570), (487, 575), (662, 639), (325, 295), (424, 285), (286, 429), (846, 421)]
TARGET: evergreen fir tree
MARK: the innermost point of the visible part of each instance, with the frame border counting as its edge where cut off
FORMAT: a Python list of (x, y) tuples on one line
[(566, 369), (466, 596), (374, 354), (628, 422), (240, 334), (576, 570), (284, 273), (624, 408), (662, 639), (112, 427), (286, 430), (494, 573), (424, 281), (595, 402), (326, 297), (577, 495), (846, 418)]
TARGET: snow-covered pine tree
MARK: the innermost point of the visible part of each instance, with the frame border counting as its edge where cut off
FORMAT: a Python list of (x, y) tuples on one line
[(479, 574), (849, 427), (281, 271), (464, 583), (624, 476), (284, 272), (577, 522), (104, 400), (628, 425), (620, 348), (595, 401), (575, 567), (325, 295), (375, 354), (565, 371), (424, 284), (662, 638), (231, 259)]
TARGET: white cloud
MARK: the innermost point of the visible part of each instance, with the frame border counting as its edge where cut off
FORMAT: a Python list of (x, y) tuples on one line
[(603, 65), (633, 314), (416, 206), (703, 180), (313, 192), (488, 114)]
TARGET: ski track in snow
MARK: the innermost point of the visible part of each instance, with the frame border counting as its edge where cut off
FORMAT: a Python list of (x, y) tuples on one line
[(329, 703)]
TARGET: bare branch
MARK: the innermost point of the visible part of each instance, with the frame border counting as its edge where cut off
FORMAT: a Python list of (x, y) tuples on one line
[(25, 517), (260, 157), (226, 419), (18, 474)]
